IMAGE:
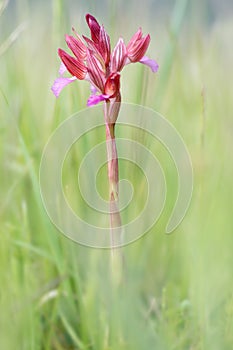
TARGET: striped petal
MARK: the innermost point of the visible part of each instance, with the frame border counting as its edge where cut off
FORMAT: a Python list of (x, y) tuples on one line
[(94, 27), (77, 47), (73, 65), (137, 49), (119, 56), (96, 74), (104, 45)]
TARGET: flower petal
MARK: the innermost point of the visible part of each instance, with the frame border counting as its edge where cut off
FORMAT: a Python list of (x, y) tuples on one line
[(77, 46), (135, 38), (138, 49), (119, 56), (94, 27), (74, 66), (96, 74), (104, 45), (150, 63), (93, 90), (95, 99), (112, 85), (60, 83), (62, 69)]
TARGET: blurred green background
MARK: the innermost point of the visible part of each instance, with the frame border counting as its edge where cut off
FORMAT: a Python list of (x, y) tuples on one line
[(177, 290)]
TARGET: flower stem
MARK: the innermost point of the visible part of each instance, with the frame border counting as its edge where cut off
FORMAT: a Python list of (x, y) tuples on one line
[(111, 111), (113, 178)]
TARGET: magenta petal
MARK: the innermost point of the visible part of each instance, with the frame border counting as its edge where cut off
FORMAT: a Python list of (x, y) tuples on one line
[(93, 90), (62, 69), (60, 83), (95, 99), (150, 63)]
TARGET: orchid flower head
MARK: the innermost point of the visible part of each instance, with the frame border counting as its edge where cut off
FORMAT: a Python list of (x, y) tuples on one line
[(94, 61)]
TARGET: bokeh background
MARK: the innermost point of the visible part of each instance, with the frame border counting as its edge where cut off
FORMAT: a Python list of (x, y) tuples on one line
[(177, 290)]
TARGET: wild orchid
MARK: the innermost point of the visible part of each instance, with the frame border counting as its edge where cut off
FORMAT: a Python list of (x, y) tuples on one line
[(94, 61)]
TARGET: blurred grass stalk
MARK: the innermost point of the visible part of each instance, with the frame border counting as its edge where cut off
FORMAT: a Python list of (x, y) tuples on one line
[(3, 5), (177, 20), (14, 35), (12, 38), (59, 13), (57, 295)]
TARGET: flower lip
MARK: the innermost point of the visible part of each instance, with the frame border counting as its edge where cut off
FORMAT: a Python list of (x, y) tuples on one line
[(152, 64), (112, 85), (95, 99), (60, 83), (62, 69)]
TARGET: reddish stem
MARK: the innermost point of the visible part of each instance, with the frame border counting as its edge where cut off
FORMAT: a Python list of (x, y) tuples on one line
[(113, 177)]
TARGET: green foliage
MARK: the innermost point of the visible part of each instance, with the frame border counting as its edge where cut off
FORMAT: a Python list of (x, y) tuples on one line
[(177, 289)]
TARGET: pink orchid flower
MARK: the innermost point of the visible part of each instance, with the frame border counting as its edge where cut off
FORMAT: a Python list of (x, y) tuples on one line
[(93, 61)]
